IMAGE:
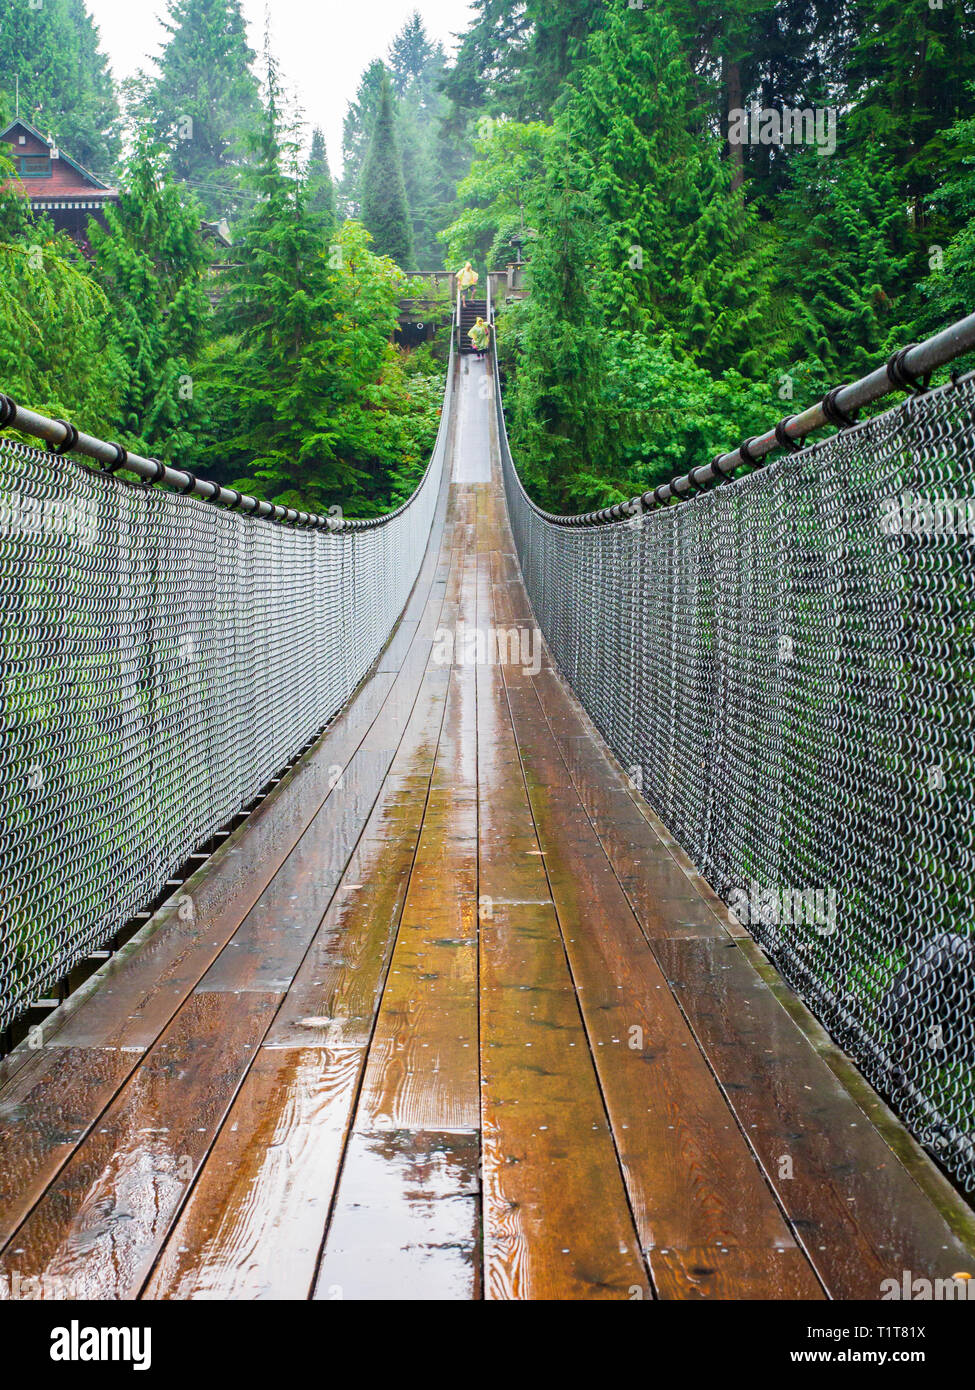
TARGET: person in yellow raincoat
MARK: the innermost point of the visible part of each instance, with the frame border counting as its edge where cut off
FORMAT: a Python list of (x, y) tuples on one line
[(480, 336), (467, 278)]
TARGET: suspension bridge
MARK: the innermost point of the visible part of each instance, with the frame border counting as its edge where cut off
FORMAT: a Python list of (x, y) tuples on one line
[(391, 862)]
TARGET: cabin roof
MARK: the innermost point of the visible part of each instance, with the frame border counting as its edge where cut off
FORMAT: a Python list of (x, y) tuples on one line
[(20, 124)]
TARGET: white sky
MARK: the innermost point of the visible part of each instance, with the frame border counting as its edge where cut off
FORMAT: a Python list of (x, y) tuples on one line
[(322, 45)]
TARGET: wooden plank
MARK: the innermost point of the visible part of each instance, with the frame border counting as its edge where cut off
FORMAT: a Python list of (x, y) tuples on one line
[(405, 1226), (406, 1214), (693, 1181), (860, 1215), (549, 1157), (422, 1071), (253, 1225), (99, 1227), (857, 1211), (267, 948), (336, 991), (44, 1113)]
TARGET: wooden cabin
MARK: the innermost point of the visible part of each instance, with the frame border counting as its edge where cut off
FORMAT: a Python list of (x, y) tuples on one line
[(55, 183)]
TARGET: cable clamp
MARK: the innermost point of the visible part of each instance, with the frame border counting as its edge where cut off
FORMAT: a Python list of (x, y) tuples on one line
[(120, 460), (786, 440), (834, 415), (69, 441), (745, 449), (899, 376)]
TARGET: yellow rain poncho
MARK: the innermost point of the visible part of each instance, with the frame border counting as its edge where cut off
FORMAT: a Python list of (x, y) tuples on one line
[(480, 334)]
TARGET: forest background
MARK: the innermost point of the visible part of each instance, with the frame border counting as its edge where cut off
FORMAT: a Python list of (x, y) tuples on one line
[(686, 287)]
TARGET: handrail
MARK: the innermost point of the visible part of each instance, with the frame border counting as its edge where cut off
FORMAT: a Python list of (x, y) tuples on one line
[(908, 369), (64, 438)]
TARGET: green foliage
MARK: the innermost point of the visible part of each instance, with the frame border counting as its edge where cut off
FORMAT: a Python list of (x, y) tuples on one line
[(679, 249), (205, 102), (304, 399), (948, 292), (53, 354), (517, 53), (65, 87), (846, 253), (433, 154), (677, 413), (490, 228), (560, 425), (910, 76), (384, 207), (318, 176), (704, 272), (151, 264), (356, 134)]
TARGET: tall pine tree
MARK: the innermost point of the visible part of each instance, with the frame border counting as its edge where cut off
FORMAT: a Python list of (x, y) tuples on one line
[(385, 211), (318, 176), (360, 117), (679, 248), (205, 99)]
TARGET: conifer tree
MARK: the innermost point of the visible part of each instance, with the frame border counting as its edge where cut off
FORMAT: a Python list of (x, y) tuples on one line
[(912, 75), (385, 211), (846, 254), (205, 99), (279, 305), (66, 89), (560, 428), (356, 134), (679, 250), (948, 291), (318, 176), (151, 263)]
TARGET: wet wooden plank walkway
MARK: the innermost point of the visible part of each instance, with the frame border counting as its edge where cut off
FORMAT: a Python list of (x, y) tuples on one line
[(452, 1017)]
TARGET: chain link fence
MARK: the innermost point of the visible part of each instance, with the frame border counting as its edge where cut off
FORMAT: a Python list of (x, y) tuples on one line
[(786, 667), (160, 660)]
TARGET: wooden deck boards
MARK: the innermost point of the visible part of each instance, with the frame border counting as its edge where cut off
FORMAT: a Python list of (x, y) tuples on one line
[(451, 1017)]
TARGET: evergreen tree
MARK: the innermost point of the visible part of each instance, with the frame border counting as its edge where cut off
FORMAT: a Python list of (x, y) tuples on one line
[(205, 99), (517, 53), (151, 262), (280, 301), (486, 78), (911, 75), (385, 211), (846, 254), (679, 249), (560, 428), (948, 291), (412, 56), (54, 353), (430, 170), (433, 155), (66, 88), (356, 133), (491, 227), (318, 176)]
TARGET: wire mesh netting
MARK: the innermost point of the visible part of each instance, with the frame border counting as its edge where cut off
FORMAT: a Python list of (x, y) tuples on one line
[(784, 665), (160, 660)]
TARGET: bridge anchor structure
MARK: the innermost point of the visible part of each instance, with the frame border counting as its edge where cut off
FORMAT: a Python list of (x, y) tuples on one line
[(458, 1010)]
